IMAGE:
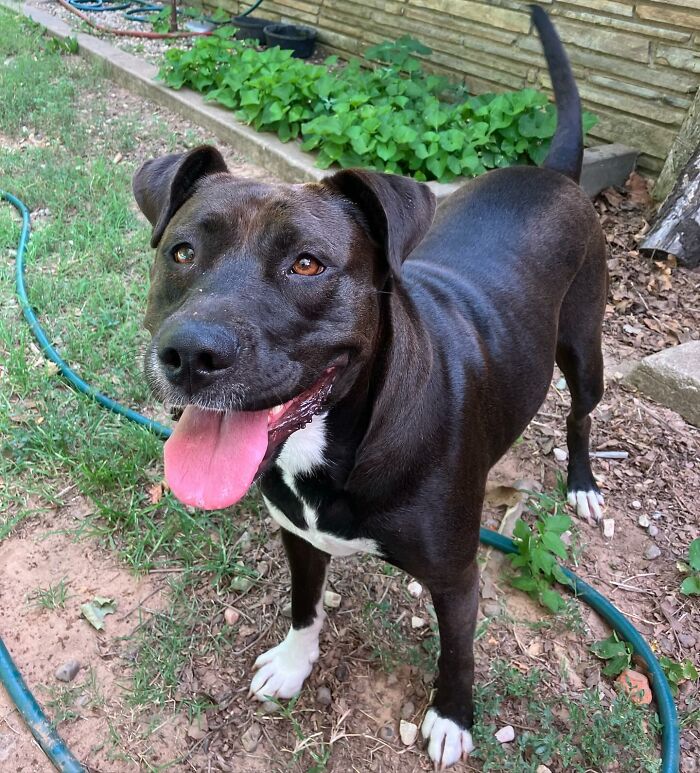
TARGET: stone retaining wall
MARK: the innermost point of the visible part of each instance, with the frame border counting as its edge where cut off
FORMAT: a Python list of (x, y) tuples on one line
[(637, 62)]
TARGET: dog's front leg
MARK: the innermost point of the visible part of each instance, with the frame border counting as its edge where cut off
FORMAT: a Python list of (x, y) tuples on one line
[(448, 721), (282, 670)]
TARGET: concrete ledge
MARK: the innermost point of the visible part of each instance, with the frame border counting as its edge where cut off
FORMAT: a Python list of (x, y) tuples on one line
[(602, 166), (672, 378)]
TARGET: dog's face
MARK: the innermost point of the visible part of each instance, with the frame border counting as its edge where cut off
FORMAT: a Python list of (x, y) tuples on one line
[(265, 299)]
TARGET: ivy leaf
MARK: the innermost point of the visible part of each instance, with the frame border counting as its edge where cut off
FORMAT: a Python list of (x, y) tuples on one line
[(552, 599)]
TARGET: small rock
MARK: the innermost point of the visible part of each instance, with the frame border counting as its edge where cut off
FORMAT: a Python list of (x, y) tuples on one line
[(636, 504), (82, 701), (251, 738), (417, 622), (332, 600), (68, 671), (505, 734), (262, 568), (323, 696), (408, 732), (560, 454), (609, 527), (543, 769), (561, 384), (408, 710), (241, 583), (567, 538), (199, 728), (268, 707), (492, 609), (636, 685), (387, 733), (414, 588), (342, 672), (653, 530), (687, 640), (287, 610), (652, 552), (643, 521), (657, 514), (231, 616)]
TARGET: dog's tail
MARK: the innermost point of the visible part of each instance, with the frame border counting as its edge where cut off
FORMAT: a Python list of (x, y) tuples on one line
[(566, 151)]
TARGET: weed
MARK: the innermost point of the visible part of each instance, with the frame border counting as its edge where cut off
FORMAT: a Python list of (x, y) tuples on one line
[(677, 673), (616, 653), (315, 746), (538, 551), (66, 702), (691, 585), (53, 597)]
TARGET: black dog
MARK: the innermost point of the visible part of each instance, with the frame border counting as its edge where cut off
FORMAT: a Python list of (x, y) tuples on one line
[(369, 368)]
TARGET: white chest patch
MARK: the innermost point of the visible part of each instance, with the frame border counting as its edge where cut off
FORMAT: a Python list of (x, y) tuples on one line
[(301, 453)]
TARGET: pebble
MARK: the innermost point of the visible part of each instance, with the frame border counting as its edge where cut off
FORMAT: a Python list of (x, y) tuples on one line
[(268, 707), (342, 672), (408, 710), (386, 733), (608, 527), (323, 696), (492, 609), (561, 384), (262, 568), (653, 530), (287, 610), (231, 616), (199, 728), (251, 738), (636, 504), (543, 769), (241, 583), (652, 552), (417, 622), (68, 671), (560, 454), (331, 599), (567, 538), (408, 732), (505, 734), (643, 521), (414, 588), (687, 640)]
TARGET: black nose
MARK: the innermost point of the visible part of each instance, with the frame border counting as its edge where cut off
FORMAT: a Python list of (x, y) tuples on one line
[(194, 354)]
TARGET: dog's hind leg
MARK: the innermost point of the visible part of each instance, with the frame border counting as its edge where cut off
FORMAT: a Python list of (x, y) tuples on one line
[(580, 358), (282, 670)]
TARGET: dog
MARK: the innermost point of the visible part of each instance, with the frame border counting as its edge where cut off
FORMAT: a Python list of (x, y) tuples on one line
[(367, 360)]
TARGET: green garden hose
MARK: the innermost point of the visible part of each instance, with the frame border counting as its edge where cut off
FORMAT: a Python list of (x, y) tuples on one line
[(52, 745)]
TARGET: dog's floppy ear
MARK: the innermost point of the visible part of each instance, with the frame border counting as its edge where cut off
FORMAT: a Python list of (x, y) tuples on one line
[(163, 185), (398, 210)]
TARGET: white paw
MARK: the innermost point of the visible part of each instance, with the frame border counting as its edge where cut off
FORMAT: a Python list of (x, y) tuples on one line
[(283, 669), (588, 504), (447, 741)]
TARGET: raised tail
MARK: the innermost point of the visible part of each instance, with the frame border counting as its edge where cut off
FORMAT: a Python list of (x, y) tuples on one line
[(566, 151)]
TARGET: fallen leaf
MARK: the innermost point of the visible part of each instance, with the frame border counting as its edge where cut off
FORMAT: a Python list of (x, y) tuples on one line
[(96, 610)]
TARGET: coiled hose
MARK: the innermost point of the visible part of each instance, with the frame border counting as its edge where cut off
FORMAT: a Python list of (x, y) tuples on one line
[(46, 736)]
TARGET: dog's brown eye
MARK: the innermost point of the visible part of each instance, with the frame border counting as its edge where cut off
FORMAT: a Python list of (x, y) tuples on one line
[(183, 253), (307, 265)]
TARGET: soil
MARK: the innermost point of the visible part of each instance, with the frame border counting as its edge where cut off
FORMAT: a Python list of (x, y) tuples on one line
[(376, 666)]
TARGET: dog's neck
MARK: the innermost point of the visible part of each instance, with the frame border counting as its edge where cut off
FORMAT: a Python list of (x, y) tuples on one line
[(397, 403)]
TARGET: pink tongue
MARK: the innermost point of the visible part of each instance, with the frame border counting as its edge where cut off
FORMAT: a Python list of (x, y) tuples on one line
[(211, 458)]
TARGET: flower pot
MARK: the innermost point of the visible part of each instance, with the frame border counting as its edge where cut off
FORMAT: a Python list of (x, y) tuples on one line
[(250, 28), (300, 40)]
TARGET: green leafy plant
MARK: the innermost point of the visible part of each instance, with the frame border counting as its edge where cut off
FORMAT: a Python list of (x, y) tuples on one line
[(393, 117), (616, 653), (676, 672), (691, 585), (539, 549)]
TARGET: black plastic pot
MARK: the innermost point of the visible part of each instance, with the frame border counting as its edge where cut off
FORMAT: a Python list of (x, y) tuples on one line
[(300, 40), (250, 27)]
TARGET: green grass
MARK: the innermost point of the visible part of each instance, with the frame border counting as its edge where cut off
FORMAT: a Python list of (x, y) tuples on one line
[(53, 597)]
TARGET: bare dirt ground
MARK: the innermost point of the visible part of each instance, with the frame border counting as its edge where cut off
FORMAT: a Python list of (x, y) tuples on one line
[(376, 667)]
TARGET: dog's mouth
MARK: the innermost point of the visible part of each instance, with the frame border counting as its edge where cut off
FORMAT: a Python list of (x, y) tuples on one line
[(212, 458)]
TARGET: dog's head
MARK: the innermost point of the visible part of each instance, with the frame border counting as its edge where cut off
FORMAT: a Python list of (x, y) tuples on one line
[(264, 304)]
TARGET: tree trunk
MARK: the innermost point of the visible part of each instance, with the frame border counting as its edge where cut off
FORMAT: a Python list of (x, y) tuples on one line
[(173, 15), (682, 149), (676, 230)]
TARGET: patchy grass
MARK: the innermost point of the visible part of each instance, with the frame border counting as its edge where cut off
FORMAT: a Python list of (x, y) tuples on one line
[(53, 597)]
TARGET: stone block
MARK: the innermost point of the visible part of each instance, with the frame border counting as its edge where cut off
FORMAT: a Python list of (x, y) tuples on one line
[(670, 15), (606, 165), (687, 59), (672, 378)]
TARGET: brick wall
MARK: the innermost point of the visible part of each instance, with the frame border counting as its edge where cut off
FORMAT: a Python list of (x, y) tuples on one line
[(637, 61)]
